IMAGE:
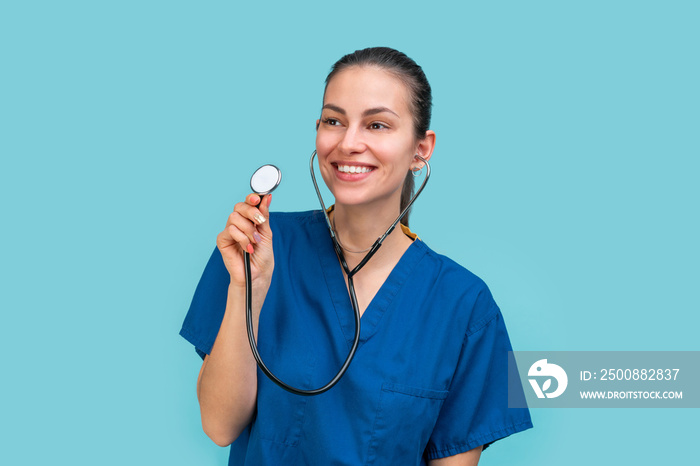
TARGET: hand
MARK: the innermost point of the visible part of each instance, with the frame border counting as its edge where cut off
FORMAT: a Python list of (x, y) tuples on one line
[(248, 229)]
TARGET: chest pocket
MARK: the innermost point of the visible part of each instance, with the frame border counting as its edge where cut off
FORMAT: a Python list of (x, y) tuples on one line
[(404, 422)]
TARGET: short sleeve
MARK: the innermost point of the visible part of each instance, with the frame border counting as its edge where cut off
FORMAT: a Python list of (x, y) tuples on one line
[(476, 410), (203, 320)]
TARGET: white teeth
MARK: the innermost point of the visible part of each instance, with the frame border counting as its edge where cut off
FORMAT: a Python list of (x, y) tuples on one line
[(353, 169)]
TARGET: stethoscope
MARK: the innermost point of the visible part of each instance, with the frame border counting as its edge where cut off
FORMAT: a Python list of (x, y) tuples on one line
[(264, 181)]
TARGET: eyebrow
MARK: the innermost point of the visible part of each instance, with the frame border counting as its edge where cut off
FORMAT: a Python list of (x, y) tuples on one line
[(368, 112)]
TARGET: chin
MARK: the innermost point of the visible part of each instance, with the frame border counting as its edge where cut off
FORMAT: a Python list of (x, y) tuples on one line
[(358, 199)]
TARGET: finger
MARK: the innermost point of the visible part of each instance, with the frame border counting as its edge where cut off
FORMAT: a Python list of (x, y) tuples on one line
[(252, 199), (241, 238), (245, 226), (264, 209), (264, 206), (226, 241), (254, 215)]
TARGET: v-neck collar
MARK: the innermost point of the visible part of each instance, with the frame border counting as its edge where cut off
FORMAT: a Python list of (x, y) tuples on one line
[(340, 296)]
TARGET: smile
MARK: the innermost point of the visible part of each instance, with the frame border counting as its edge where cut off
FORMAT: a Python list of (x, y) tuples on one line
[(354, 169)]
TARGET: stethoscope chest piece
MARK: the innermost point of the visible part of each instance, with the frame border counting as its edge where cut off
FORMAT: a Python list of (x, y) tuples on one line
[(265, 179)]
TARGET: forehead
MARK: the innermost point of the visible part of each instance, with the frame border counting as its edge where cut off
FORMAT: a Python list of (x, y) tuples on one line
[(362, 87)]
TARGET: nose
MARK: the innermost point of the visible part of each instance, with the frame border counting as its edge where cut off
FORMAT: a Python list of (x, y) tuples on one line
[(352, 141)]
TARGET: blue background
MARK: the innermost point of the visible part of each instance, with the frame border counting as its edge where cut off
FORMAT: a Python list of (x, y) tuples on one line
[(565, 175)]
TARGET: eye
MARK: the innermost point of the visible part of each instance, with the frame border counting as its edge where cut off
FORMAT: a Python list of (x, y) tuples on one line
[(331, 122), (377, 125)]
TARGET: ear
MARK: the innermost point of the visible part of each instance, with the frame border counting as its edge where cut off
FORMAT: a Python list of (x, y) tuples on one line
[(318, 122), (425, 148)]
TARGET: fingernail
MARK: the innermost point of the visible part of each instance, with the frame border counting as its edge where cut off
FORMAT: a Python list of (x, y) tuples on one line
[(257, 237), (269, 199), (250, 249), (259, 218)]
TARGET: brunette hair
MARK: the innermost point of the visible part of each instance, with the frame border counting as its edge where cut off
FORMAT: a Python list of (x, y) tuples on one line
[(421, 100)]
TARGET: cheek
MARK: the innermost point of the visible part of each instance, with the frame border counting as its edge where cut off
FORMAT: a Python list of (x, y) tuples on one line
[(402, 157), (323, 150), (325, 141), (399, 147)]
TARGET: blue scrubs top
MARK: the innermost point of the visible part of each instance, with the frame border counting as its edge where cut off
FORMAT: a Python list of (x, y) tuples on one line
[(429, 378)]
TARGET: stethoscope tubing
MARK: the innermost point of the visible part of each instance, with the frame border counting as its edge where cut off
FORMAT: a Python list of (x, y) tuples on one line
[(351, 286)]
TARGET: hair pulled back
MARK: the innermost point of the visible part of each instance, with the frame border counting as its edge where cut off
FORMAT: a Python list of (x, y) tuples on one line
[(420, 102)]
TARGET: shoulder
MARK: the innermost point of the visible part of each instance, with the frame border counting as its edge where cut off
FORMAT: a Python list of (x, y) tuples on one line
[(291, 223), (299, 220), (459, 289), (296, 234), (294, 217)]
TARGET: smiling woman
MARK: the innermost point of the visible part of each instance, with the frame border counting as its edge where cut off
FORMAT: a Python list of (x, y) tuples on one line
[(366, 126), (429, 383)]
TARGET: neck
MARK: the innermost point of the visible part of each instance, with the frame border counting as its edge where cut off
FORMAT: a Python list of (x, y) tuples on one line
[(358, 227)]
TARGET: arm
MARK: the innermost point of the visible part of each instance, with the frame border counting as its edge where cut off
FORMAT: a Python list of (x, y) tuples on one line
[(227, 382), (468, 458)]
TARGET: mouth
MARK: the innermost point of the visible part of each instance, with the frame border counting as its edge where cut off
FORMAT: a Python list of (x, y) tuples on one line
[(352, 169)]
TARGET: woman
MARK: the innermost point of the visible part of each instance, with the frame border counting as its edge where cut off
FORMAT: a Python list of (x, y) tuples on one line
[(428, 382)]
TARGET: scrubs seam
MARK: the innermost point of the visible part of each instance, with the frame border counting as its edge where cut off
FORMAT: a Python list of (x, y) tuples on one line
[(394, 289), (484, 322), (373, 437), (309, 216), (329, 288), (466, 338), (427, 393), (475, 441), (199, 343), (480, 322), (286, 444), (319, 217)]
